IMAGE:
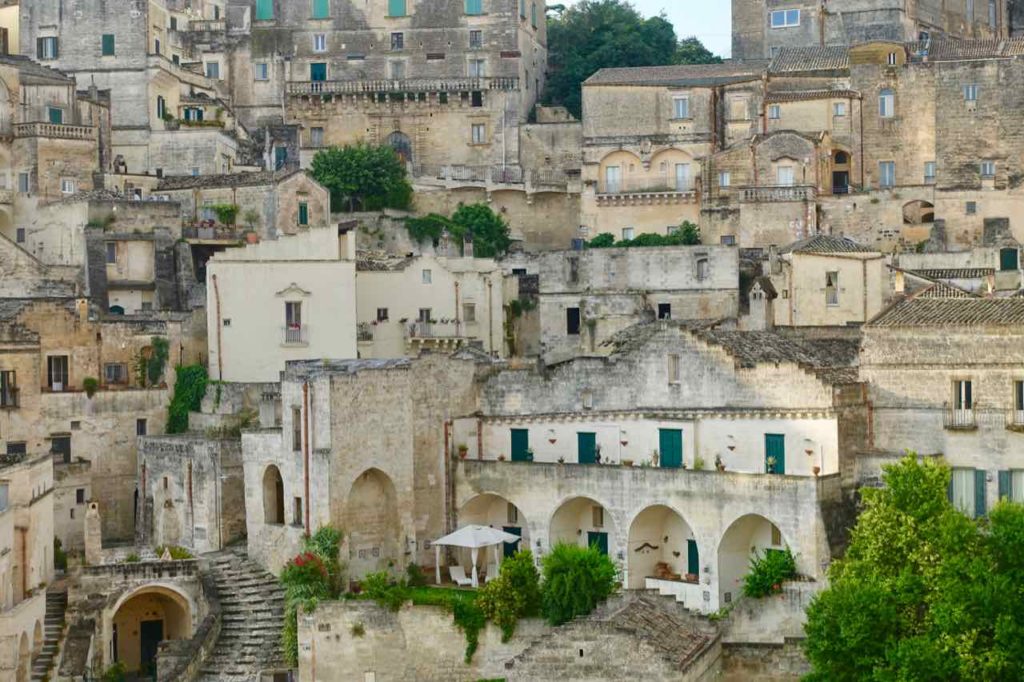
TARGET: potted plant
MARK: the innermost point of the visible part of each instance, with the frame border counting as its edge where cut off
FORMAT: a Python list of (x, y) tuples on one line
[(692, 578), (769, 463), (529, 454), (561, 460), (719, 464), (501, 458), (463, 450), (90, 385), (816, 469), (626, 462)]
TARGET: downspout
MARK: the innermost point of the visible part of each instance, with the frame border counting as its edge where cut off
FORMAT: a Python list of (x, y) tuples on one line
[(305, 448), (862, 164), (458, 318), (479, 438), (220, 355), (449, 478), (864, 298), (490, 317)]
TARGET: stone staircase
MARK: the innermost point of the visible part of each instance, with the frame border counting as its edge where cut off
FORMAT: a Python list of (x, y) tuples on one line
[(53, 631), (252, 613)]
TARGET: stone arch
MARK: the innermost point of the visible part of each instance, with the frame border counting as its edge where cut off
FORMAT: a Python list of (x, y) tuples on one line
[(842, 170), (142, 618), (674, 168), (582, 521), (659, 546), (273, 496), (491, 509), (746, 536), (624, 167), (402, 145), (374, 529), (918, 212), (24, 660)]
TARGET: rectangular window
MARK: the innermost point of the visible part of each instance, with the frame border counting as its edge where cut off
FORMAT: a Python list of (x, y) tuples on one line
[(293, 314), (19, 235), (68, 186), (60, 448), (297, 512), (831, 288), (682, 177), (296, 429), (303, 213), (784, 176), (992, 13), (479, 132), (702, 269), (469, 312), (46, 48), (680, 107), (111, 252), (55, 115), (664, 311), (971, 207), (80, 496), (396, 8), (886, 174), (318, 72), (533, 14), (785, 18), (474, 7), (425, 315), (673, 369), (316, 137), (8, 388), (476, 39), (261, 71), (382, 314), (426, 277), (264, 10), (115, 373), (321, 9), (970, 93), (396, 69), (16, 448), (174, 23), (319, 42), (108, 44), (141, 427), (775, 112), (23, 183), (572, 321), (728, 240), (929, 172), (988, 169), (213, 70), (477, 68), (887, 104), (628, 232), (970, 11), (967, 491), (724, 179), (574, 270), (1011, 485), (57, 372), (839, 109), (397, 41)]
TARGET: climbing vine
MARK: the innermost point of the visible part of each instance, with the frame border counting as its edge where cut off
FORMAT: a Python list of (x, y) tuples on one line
[(308, 579), (189, 389)]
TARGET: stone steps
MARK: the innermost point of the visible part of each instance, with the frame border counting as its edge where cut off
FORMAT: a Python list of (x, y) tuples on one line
[(53, 631)]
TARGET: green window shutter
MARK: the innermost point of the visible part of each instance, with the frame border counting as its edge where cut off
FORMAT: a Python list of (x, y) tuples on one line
[(396, 8), (318, 71), (108, 45), (980, 506), (264, 10), (692, 557), (670, 444), (1007, 259), (520, 445), (1005, 485), (303, 214), (775, 447), (321, 9), (586, 448), (56, 115), (474, 7), (533, 15)]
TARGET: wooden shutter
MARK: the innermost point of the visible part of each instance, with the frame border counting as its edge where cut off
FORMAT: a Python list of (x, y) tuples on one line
[(980, 506), (320, 9), (1005, 485), (396, 8)]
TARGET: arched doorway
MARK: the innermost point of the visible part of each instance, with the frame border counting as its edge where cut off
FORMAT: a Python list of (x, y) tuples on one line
[(748, 536), (840, 172), (582, 521), (273, 496), (918, 213), (371, 517), (24, 660), (143, 620), (402, 145), (37, 639), (661, 545), (497, 512)]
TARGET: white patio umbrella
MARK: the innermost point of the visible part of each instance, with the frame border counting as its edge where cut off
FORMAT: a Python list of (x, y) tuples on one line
[(474, 537)]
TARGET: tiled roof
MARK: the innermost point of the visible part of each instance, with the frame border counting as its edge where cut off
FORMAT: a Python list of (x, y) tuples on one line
[(686, 74), (804, 95), (800, 59), (952, 312), (943, 290), (767, 287), (953, 273), (176, 182), (939, 50), (33, 69), (823, 243), (381, 262), (833, 360)]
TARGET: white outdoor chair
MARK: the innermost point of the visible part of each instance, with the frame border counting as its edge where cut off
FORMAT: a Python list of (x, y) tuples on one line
[(492, 572), (458, 575)]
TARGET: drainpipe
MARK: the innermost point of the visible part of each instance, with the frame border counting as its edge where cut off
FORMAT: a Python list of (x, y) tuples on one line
[(458, 318), (864, 272), (216, 300), (490, 317), (305, 447), (862, 164), (479, 438)]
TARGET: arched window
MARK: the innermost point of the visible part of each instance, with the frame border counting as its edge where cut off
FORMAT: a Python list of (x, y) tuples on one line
[(402, 145), (273, 496)]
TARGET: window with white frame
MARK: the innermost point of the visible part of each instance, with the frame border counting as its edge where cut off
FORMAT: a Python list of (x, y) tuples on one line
[(682, 177), (398, 41), (426, 277), (967, 491), (724, 179), (261, 71), (469, 312), (775, 112), (477, 68), (971, 93), (785, 18), (316, 137), (784, 176), (886, 174), (46, 48), (396, 69), (831, 288), (892, 59), (988, 169), (681, 107), (319, 42), (839, 109), (886, 103), (68, 186), (628, 232), (213, 70), (929, 172), (479, 133)]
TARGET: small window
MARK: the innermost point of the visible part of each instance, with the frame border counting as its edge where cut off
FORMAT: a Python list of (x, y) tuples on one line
[(293, 315), (831, 288), (426, 277), (839, 109), (587, 398), (264, 10), (681, 107), (1018, 396), (785, 176), (297, 512), (477, 68), (303, 213), (60, 448), (479, 133), (261, 71), (971, 207), (396, 8), (785, 18), (886, 174), (673, 368), (23, 183), (396, 69), (161, 107), (988, 169), (628, 233), (79, 495), (775, 112), (724, 179), (213, 70), (68, 186), (19, 235), (55, 115), (397, 41), (929, 172), (319, 42), (1009, 259), (16, 448), (469, 312), (970, 93), (474, 7), (71, 513), (111, 252), (476, 39), (382, 314), (572, 321), (597, 516), (141, 427), (702, 269), (115, 373), (108, 45), (891, 60), (887, 103), (46, 48), (316, 137), (776, 536), (8, 388), (296, 429), (511, 513), (664, 311), (728, 240)]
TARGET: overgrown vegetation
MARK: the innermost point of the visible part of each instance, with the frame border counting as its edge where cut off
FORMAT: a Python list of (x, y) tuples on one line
[(923, 592), (151, 362), (514, 594), (132, 558), (688, 234), (189, 389), (767, 573), (363, 177), (575, 580), (90, 385), (177, 552), (310, 577), (60, 557), (226, 213), (115, 673), (488, 231)]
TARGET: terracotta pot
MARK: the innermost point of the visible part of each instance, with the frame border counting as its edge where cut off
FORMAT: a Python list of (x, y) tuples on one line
[(816, 470)]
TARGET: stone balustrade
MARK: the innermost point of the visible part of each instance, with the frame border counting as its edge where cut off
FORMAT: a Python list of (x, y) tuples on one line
[(779, 194), (54, 131), (344, 87)]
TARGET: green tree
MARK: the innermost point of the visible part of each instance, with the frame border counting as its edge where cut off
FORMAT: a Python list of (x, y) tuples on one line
[(924, 592), (363, 177), (597, 34), (576, 579), (514, 594), (488, 230), (692, 51)]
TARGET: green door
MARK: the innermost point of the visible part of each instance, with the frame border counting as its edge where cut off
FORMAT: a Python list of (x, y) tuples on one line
[(692, 557), (670, 445), (586, 444), (775, 447), (511, 548), (318, 71), (520, 444), (600, 540)]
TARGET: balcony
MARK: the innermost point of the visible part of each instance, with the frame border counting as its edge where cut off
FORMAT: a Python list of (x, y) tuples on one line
[(1015, 421), (779, 194), (208, 25), (411, 85), (55, 131), (212, 233), (437, 335), (959, 419), (645, 192), (295, 335)]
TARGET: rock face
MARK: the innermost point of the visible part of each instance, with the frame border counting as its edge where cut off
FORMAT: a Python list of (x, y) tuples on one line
[(252, 614)]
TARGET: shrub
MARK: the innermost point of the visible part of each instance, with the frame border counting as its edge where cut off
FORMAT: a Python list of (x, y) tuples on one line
[(90, 385), (189, 389), (358, 630), (226, 213), (688, 234), (132, 558), (115, 673), (575, 580), (60, 557), (177, 553), (383, 590), (414, 575), (306, 580), (767, 573), (324, 543)]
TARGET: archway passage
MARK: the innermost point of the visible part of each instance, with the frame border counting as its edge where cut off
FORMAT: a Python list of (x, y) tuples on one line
[(748, 536), (497, 512), (582, 521), (918, 213), (661, 545), (371, 517), (402, 145), (273, 496), (840, 172), (150, 616)]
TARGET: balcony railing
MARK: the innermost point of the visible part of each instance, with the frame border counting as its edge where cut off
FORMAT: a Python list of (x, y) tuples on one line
[(646, 186), (364, 332), (1015, 420), (217, 233), (54, 130), (346, 87), (207, 25), (435, 330), (779, 194), (959, 419), (295, 335)]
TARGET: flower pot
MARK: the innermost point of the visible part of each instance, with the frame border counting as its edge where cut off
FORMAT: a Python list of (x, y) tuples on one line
[(252, 238), (816, 470), (627, 462)]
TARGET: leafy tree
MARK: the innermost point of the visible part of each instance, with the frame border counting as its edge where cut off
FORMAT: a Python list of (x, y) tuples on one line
[(514, 594), (596, 34), (575, 580), (767, 573), (489, 231), (924, 592), (689, 233), (363, 177), (189, 389), (692, 51)]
